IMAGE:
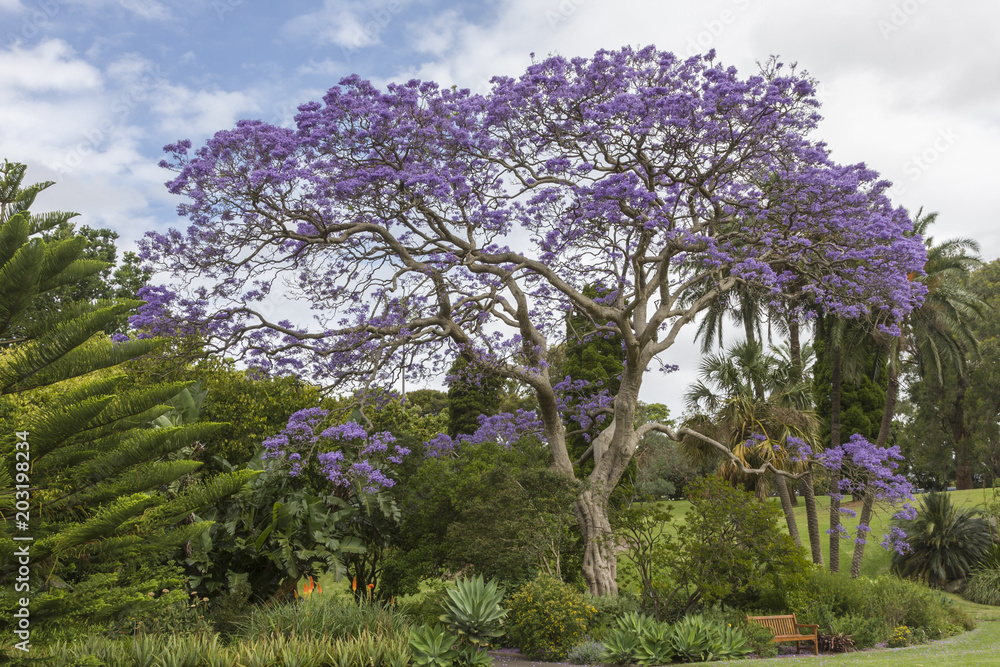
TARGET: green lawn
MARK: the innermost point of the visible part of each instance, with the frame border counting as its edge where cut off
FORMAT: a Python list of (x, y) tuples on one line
[(978, 647)]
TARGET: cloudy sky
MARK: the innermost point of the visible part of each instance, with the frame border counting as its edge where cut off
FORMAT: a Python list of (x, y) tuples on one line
[(90, 90)]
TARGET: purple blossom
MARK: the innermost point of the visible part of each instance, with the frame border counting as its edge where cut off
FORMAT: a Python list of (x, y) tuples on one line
[(867, 469), (344, 453)]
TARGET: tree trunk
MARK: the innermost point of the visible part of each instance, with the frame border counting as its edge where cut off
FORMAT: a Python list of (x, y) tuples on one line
[(864, 530), (960, 434), (835, 442), (864, 525), (786, 505), (812, 518), (600, 562)]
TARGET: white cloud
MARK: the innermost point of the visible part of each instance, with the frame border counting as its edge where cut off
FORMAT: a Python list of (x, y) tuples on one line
[(11, 6), (184, 112), (50, 66), (149, 10), (349, 24), (436, 36)]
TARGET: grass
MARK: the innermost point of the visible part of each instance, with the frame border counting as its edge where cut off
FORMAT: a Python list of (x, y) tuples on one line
[(978, 647)]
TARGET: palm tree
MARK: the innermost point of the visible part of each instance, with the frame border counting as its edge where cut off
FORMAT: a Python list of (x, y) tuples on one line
[(939, 336), (946, 542), (747, 399)]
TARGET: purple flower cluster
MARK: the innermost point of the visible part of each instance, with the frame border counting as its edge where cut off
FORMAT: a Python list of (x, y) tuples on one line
[(344, 453), (865, 468)]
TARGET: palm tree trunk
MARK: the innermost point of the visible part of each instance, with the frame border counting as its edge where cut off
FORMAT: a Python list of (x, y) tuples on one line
[(960, 435), (786, 505), (835, 442), (812, 518), (891, 392), (864, 530)]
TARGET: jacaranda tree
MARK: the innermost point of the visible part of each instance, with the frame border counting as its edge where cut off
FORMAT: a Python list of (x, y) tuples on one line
[(421, 222)]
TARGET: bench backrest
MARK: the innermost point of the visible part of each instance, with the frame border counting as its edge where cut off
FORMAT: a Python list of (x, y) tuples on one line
[(778, 625)]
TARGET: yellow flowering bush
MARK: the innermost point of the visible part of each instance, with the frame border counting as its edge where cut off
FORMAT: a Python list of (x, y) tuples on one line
[(900, 637), (547, 618)]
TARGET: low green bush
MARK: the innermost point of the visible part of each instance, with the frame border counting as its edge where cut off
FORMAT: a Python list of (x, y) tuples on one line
[(760, 639), (587, 652), (825, 598), (864, 631), (607, 609), (424, 608), (983, 587), (547, 618)]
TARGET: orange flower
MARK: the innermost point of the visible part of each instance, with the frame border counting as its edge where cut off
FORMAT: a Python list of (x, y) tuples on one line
[(354, 584), (319, 589)]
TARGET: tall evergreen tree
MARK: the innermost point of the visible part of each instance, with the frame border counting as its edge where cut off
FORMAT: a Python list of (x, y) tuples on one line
[(594, 363), (470, 395), (101, 494)]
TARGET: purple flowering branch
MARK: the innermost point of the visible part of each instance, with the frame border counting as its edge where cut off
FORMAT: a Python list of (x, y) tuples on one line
[(344, 454), (865, 469)]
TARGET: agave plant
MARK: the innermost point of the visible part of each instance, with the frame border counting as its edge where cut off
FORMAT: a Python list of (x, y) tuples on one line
[(946, 542), (432, 646), (635, 623), (655, 645), (693, 639), (619, 646), (731, 644), (473, 612)]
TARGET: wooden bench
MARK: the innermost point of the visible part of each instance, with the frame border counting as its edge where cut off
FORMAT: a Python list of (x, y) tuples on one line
[(786, 629)]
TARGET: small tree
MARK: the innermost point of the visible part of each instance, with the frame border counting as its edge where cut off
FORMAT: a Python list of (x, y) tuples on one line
[(731, 548), (868, 471)]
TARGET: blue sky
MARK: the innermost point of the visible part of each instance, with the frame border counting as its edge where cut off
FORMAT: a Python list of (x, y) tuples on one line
[(90, 90)]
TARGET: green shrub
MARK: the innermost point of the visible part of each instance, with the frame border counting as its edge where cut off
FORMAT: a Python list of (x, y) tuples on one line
[(587, 652), (864, 631), (607, 609), (547, 618), (732, 548), (424, 608), (901, 602), (825, 596), (760, 639), (983, 587)]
